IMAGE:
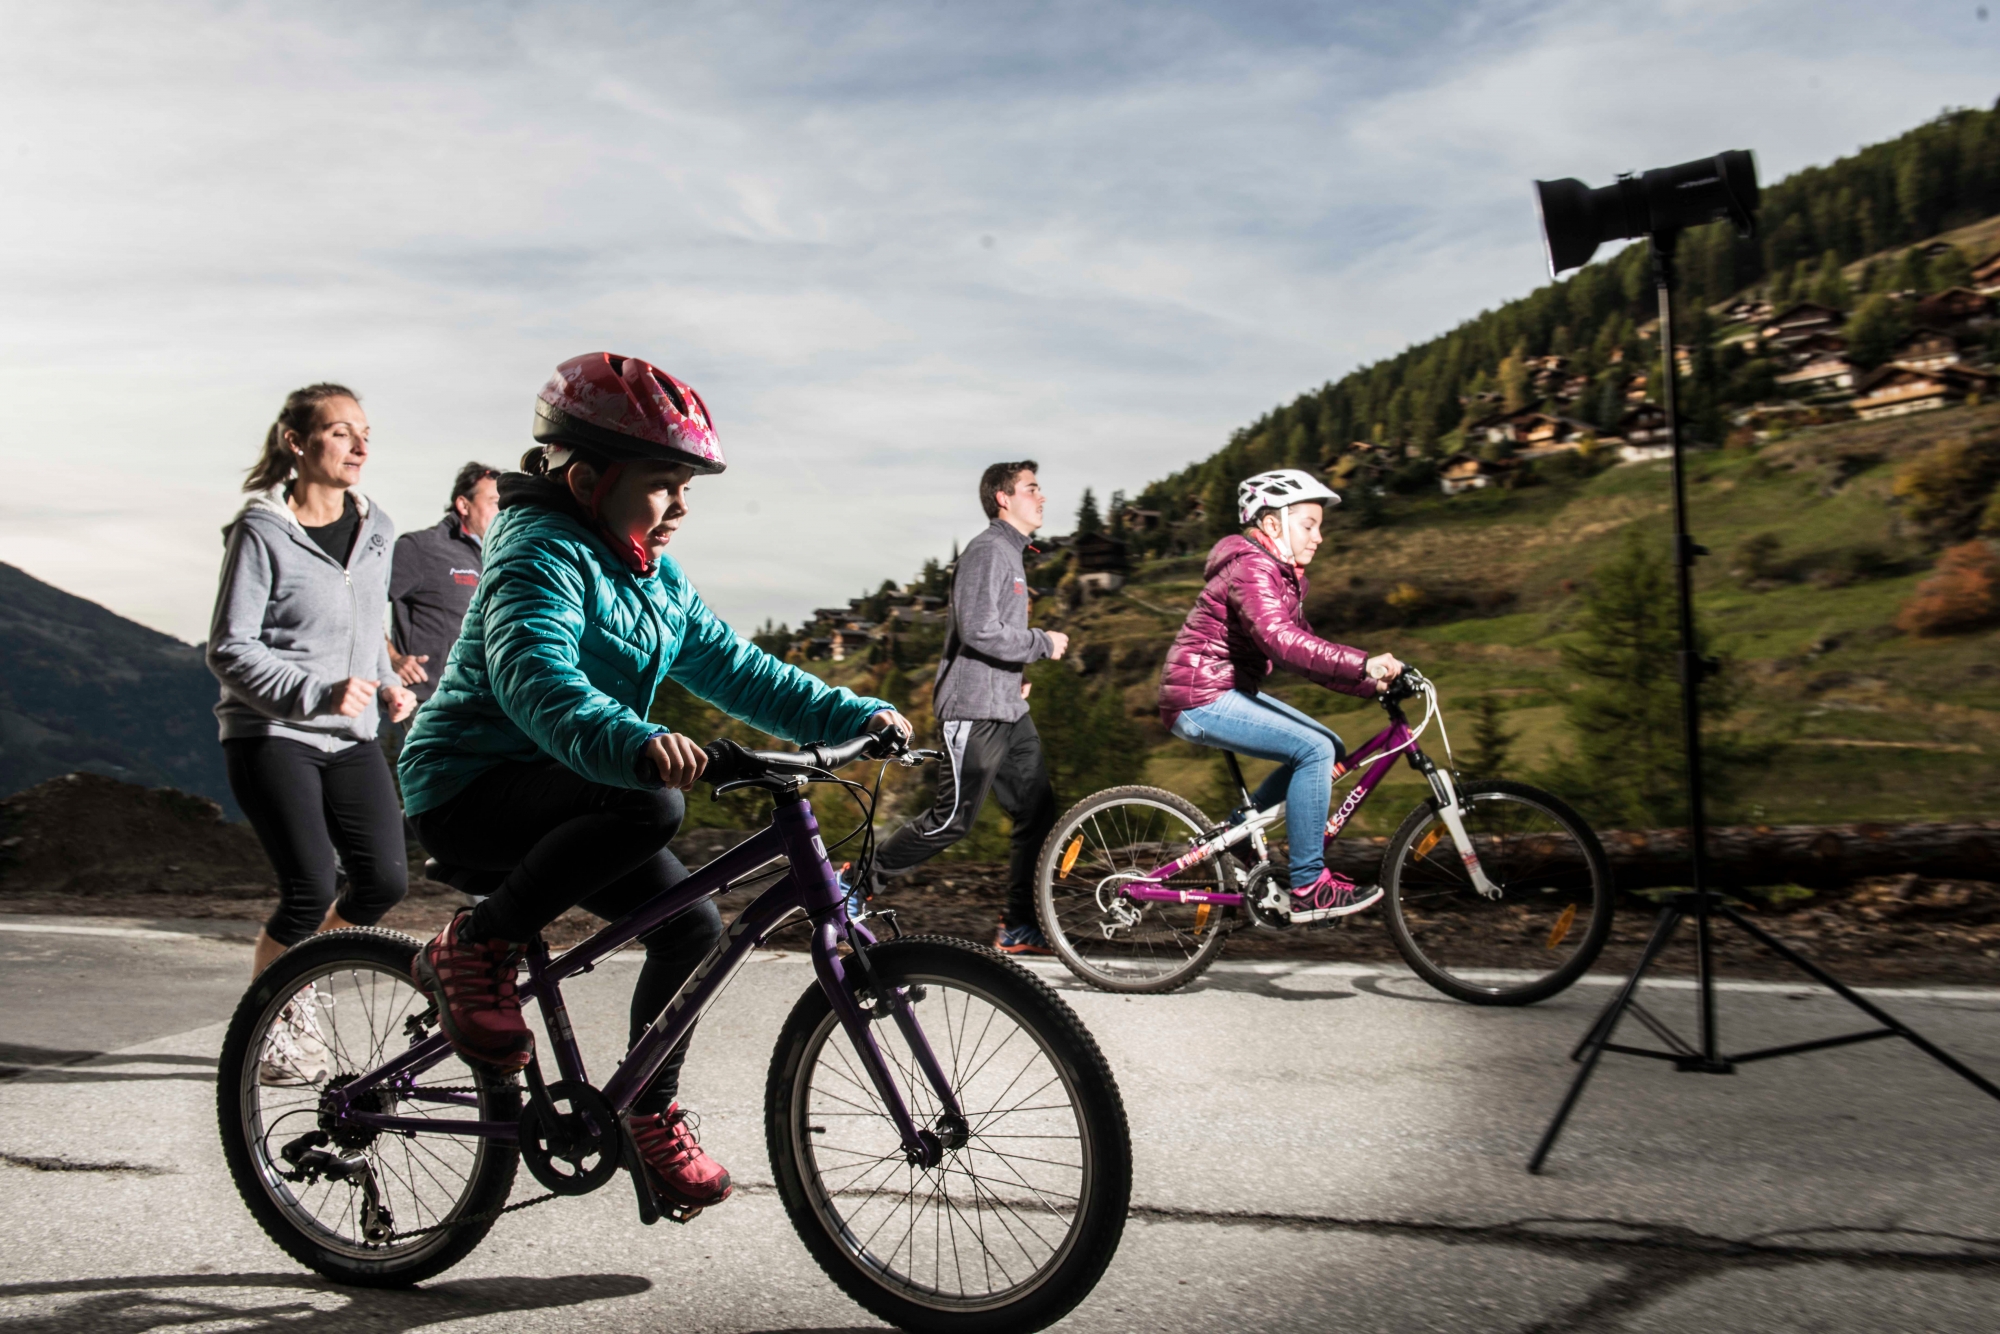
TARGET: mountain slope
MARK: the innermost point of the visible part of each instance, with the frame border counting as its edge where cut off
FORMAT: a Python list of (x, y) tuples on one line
[(84, 689)]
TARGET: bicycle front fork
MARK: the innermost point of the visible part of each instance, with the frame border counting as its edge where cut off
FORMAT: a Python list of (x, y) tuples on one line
[(1452, 811)]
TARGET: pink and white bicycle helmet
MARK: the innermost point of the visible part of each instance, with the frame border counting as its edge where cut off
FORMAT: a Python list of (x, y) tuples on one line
[(1277, 489)]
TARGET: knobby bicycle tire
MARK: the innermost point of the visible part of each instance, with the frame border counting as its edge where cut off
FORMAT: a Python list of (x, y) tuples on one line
[(831, 1202), (1189, 939), (381, 954)]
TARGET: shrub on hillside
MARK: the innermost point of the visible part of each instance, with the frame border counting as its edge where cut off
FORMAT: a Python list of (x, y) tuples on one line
[(1963, 594), (1945, 489), (1628, 767)]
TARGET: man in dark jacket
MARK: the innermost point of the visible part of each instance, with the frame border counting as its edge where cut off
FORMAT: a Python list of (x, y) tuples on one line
[(982, 706), (436, 571)]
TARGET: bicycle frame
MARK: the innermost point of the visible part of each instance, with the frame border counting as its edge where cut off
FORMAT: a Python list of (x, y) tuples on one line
[(809, 886), (1397, 736)]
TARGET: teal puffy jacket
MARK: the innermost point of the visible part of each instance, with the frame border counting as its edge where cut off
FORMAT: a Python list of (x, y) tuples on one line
[(563, 649)]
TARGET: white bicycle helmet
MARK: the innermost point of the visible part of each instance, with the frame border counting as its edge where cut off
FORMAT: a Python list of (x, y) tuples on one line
[(1278, 489)]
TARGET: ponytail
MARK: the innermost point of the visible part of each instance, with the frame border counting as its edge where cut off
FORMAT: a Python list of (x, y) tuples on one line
[(277, 463)]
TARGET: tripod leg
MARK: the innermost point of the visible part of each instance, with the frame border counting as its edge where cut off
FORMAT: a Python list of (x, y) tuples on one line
[(1860, 1002), (1600, 1032)]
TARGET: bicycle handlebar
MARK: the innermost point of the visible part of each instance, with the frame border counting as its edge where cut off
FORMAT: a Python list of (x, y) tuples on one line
[(730, 763)]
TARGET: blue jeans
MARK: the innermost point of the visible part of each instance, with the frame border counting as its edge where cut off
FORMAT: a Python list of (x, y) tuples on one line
[(1306, 750)]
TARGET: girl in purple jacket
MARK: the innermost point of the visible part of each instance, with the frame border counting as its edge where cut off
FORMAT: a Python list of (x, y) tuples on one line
[(1249, 616)]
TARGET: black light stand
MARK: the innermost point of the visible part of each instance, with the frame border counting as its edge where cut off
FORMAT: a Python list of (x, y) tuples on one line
[(1701, 903)]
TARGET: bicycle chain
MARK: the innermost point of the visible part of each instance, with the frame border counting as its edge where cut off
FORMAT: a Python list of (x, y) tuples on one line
[(486, 1217)]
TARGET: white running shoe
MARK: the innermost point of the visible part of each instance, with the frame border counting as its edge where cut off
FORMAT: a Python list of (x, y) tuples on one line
[(295, 1052)]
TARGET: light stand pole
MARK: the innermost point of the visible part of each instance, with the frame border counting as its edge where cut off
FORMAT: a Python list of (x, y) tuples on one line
[(1701, 902)]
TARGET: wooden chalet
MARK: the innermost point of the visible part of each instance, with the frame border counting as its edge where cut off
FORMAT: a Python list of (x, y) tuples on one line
[(1814, 347), (1953, 308), (1801, 320), (1468, 472), (1895, 391), (1643, 425), (1986, 275), (1926, 349), (1826, 373), (1101, 562)]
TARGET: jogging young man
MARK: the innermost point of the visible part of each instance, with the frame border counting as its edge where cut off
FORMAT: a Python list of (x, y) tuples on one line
[(435, 572), (982, 706)]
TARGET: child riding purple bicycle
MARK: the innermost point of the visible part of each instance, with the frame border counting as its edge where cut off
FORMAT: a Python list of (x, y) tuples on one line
[(1251, 615)]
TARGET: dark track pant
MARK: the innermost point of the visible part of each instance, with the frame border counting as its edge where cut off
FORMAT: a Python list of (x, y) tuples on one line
[(566, 841), (984, 756), (304, 803)]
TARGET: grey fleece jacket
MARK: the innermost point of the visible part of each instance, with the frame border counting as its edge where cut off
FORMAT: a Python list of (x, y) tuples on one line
[(989, 629), (290, 624)]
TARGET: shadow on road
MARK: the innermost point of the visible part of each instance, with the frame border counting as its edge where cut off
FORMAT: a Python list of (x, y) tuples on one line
[(1652, 1260), (161, 1301), (43, 1065)]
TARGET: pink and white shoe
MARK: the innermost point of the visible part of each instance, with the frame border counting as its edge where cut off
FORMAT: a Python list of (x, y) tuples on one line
[(1332, 896)]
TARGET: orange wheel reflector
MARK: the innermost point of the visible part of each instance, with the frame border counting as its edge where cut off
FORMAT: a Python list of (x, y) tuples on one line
[(1201, 918), (1070, 854), (1563, 924), (1427, 842)]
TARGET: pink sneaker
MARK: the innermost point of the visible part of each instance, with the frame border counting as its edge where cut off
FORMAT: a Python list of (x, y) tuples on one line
[(1332, 896), (682, 1173)]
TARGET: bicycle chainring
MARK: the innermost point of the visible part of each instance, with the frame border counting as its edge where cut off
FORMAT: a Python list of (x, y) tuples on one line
[(570, 1138), (1267, 897)]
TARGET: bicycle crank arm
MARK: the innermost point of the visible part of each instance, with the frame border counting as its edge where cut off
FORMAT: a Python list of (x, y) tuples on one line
[(1147, 893), (1454, 820)]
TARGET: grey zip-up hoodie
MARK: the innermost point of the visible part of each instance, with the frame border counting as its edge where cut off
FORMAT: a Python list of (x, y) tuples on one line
[(291, 623), (989, 630)]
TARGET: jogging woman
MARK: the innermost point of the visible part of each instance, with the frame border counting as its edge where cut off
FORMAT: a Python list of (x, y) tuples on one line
[(296, 641), (534, 755), (1250, 615)]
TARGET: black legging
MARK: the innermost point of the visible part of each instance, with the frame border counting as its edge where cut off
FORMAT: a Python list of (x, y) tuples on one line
[(304, 802), (566, 841)]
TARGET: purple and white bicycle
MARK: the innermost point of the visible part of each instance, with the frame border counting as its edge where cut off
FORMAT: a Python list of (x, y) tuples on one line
[(1495, 892), (943, 1131)]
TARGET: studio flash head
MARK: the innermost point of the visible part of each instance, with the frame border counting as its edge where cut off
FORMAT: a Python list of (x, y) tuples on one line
[(1576, 218)]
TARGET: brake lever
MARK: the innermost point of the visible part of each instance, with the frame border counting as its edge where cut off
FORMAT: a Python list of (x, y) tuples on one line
[(910, 759)]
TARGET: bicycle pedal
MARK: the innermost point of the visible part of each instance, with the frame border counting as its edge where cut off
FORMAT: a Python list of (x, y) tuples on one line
[(681, 1214)]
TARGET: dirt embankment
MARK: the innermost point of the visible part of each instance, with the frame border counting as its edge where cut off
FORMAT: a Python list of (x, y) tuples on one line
[(83, 844)]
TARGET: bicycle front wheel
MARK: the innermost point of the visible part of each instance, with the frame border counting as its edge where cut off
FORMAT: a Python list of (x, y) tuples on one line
[(378, 1209), (1549, 920), (1112, 942), (1017, 1223)]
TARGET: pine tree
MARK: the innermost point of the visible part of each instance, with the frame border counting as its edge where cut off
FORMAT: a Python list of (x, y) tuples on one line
[(1913, 272), (1513, 376), (1873, 332), (1629, 766), (1088, 520), (1829, 287), (1492, 741)]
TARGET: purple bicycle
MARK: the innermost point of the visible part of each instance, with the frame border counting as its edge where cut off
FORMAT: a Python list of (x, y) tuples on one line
[(944, 1133), (1495, 892)]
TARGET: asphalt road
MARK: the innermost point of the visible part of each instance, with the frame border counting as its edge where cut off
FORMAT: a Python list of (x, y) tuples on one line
[(1318, 1147)]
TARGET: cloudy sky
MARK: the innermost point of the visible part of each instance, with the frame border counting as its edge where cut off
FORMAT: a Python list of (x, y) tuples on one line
[(889, 243)]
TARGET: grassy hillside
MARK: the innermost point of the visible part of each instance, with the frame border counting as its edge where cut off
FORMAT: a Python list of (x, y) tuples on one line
[(1868, 723)]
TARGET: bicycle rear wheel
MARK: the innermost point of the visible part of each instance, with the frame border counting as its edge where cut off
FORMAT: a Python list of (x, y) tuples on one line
[(1110, 941), (327, 1011), (1551, 917), (1017, 1223)]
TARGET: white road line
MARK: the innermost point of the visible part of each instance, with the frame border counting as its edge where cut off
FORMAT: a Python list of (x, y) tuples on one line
[(122, 932), (1281, 968)]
